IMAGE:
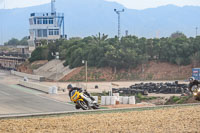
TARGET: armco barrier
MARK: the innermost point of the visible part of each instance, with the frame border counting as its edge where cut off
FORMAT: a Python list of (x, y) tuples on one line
[(35, 86), (29, 76)]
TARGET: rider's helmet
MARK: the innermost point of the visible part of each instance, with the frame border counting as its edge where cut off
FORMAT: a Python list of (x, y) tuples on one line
[(191, 79), (69, 87)]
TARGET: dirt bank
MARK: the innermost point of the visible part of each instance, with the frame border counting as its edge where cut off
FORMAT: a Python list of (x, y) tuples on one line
[(150, 71), (178, 120)]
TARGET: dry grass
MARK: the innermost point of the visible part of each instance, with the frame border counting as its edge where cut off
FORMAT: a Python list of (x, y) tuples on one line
[(169, 120)]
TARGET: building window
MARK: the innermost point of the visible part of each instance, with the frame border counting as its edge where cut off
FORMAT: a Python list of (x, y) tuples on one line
[(39, 21), (34, 20), (51, 21), (51, 32), (39, 33), (45, 21), (44, 33), (56, 32)]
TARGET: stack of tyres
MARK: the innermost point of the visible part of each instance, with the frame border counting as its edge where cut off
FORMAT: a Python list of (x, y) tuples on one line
[(165, 88)]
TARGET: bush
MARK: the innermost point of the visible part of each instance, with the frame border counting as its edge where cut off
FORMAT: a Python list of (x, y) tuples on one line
[(40, 53)]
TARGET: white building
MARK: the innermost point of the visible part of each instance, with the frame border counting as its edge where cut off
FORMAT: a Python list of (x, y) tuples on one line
[(45, 26)]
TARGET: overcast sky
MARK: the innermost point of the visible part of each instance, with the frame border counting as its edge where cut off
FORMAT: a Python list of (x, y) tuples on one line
[(143, 4), (134, 4)]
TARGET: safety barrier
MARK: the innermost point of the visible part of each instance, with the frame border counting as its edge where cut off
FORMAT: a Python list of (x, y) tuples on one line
[(29, 76), (111, 100), (39, 87)]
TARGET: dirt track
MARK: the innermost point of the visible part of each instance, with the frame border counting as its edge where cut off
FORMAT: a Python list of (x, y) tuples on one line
[(182, 119)]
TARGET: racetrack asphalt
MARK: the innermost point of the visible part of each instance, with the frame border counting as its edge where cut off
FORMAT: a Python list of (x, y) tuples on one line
[(17, 100)]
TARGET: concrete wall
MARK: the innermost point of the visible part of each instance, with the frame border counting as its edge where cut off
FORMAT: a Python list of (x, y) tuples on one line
[(35, 86), (29, 76), (54, 70)]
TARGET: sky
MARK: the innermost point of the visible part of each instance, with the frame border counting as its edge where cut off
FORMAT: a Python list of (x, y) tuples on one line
[(132, 4), (144, 4)]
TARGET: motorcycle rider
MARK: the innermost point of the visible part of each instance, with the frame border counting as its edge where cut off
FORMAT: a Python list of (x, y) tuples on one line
[(71, 88), (193, 82)]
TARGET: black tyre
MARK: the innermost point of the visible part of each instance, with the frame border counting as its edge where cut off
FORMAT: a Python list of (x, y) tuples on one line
[(77, 106), (83, 105), (96, 106), (197, 98)]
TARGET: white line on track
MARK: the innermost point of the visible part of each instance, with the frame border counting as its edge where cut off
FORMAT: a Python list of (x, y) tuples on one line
[(4, 93)]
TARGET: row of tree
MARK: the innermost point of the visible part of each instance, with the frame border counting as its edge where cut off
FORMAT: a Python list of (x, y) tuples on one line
[(16, 42), (127, 52)]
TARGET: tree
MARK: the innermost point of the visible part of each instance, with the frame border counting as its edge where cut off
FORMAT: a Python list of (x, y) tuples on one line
[(40, 53), (127, 52), (12, 42), (23, 41), (16, 42), (178, 34)]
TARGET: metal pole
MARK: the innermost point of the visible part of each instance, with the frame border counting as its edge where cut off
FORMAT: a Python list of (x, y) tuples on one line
[(118, 13), (86, 73), (56, 70), (119, 25), (196, 31), (63, 27)]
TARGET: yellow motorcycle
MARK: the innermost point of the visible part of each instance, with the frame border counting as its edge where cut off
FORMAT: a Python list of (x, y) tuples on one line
[(83, 101), (196, 92)]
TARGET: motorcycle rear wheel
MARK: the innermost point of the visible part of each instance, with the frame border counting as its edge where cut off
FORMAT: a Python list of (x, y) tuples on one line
[(96, 106), (197, 98), (83, 105)]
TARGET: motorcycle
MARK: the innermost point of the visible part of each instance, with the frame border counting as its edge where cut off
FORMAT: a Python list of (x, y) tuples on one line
[(83, 101), (196, 92)]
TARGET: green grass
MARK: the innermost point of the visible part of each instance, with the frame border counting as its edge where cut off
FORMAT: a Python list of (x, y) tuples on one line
[(140, 97), (178, 100), (104, 108), (175, 99)]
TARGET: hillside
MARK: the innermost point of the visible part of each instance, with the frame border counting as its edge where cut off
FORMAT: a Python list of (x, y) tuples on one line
[(151, 71), (85, 18)]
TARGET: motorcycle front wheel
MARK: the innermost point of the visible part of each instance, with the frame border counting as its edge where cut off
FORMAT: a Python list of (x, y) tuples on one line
[(83, 105)]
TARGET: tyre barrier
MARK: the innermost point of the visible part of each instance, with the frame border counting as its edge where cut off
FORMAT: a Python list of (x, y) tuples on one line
[(144, 89)]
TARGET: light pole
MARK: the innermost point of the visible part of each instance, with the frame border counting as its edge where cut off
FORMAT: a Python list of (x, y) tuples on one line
[(57, 58), (118, 13), (196, 30), (84, 61)]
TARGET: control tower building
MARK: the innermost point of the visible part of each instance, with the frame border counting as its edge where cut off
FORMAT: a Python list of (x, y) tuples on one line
[(47, 26)]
